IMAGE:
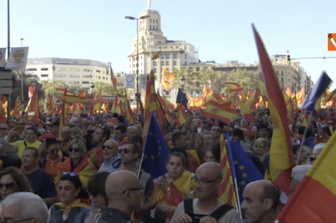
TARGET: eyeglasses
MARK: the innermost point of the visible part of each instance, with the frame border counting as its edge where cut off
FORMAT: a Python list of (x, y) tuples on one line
[(203, 182), (75, 150), (108, 147), (11, 220), (260, 145), (7, 185), (133, 189), (124, 150), (69, 174), (312, 159)]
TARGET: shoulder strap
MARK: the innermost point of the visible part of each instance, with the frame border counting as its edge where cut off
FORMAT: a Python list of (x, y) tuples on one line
[(188, 207), (25, 143), (62, 158), (221, 211)]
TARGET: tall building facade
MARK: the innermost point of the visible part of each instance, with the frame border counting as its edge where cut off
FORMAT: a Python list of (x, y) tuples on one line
[(77, 72), (151, 41)]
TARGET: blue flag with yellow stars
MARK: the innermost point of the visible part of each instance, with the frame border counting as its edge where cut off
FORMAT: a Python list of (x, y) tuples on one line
[(155, 154), (244, 170), (181, 98)]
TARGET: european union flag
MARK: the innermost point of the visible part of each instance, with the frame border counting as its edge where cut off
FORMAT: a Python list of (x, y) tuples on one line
[(182, 98), (155, 154), (244, 170), (316, 92)]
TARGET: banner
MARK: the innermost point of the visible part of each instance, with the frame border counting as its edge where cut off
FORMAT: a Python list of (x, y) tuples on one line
[(143, 81), (2, 57), (18, 59), (129, 81)]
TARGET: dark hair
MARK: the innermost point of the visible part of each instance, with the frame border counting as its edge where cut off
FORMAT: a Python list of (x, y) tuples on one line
[(55, 123), (106, 132), (262, 126), (271, 191), (177, 136), (75, 180), (302, 130), (216, 151), (326, 129), (11, 160), (296, 149), (238, 132), (19, 178), (36, 151), (96, 184), (180, 155), (51, 141), (32, 129), (136, 148), (137, 139), (121, 128)]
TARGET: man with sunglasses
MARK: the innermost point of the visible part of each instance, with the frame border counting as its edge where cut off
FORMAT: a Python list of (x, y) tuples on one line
[(112, 160), (125, 195), (206, 207)]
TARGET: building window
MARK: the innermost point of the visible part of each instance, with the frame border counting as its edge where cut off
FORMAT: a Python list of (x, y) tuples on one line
[(44, 75), (174, 63), (44, 69), (85, 82), (282, 73), (167, 56), (31, 69), (159, 42), (154, 63), (154, 70), (156, 21), (167, 63), (185, 56), (174, 56), (98, 71), (162, 56), (162, 63)]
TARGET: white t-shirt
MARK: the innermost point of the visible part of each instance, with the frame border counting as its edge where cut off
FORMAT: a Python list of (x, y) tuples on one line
[(230, 217)]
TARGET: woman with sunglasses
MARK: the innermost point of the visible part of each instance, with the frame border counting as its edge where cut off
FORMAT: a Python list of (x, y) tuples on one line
[(97, 195), (78, 162), (73, 206), (13, 180)]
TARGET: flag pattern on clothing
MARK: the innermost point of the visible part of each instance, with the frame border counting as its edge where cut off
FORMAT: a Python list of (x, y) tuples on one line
[(313, 100), (244, 169), (181, 115), (221, 112), (281, 154), (314, 200), (226, 191), (166, 79), (155, 153)]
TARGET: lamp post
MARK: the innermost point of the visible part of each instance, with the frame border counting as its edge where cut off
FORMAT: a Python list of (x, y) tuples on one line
[(137, 95), (21, 41)]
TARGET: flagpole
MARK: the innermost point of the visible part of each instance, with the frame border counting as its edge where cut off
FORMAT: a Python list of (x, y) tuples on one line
[(163, 112), (140, 164), (237, 201)]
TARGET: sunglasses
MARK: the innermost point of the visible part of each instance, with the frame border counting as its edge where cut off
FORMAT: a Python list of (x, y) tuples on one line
[(70, 174), (260, 145), (76, 150), (124, 150), (7, 185), (108, 147), (312, 159)]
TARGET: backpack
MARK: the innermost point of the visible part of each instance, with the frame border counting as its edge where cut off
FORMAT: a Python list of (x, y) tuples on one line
[(217, 214)]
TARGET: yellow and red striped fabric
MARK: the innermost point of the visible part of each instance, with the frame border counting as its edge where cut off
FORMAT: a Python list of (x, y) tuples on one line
[(181, 115), (167, 79), (223, 113)]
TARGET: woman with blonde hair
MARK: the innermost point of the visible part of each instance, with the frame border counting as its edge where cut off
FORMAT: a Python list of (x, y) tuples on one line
[(78, 163)]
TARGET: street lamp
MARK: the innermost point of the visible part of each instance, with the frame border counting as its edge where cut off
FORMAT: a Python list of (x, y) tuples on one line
[(137, 95), (182, 82), (21, 41)]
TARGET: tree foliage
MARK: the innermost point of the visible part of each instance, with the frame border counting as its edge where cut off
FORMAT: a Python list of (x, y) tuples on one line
[(49, 85), (107, 89)]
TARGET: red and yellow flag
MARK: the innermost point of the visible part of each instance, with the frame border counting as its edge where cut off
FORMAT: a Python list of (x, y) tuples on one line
[(167, 79), (314, 200), (245, 112), (129, 113), (18, 108), (181, 115), (281, 155), (221, 112)]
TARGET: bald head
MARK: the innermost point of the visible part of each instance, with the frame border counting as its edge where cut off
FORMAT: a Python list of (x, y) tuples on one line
[(131, 131), (119, 181), (265, 189), (211, 169)]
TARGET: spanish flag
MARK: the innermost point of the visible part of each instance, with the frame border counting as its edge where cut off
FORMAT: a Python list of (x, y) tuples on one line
[(281, 155), (181, 115), (223, 113), (314, 200)]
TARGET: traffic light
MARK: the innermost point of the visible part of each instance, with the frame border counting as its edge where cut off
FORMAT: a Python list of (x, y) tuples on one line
[(288, 59)]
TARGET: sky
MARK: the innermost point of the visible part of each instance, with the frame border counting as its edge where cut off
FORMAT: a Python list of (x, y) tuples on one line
[(220, 30)]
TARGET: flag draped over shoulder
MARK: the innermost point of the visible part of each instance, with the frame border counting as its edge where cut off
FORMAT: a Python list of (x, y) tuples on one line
[(314, 98), (314, 200), (155, 153), (281, 155), (244, 170)]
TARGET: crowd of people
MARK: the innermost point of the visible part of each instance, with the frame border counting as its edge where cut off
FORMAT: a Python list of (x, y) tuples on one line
[(89, 171)]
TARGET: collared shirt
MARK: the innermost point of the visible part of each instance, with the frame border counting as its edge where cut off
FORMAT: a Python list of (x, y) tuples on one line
[(111, 165), (51, 166)]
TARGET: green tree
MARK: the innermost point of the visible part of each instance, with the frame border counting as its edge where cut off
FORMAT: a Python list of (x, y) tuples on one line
[(107, 89), (48, 87), (248, 79)]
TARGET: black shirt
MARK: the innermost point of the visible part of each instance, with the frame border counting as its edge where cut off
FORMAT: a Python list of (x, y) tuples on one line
[(114, 215), (42, 183)]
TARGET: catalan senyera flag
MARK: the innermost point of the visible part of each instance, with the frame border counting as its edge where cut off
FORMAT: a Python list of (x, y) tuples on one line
[(113, 78), (32, 109), (95, 106), (300, 96), (166, 79), (289, 106), (164, 102), (253, 100), (18, 108), (314, 200), (116, 107), (314, 98), (129, 114), (181, 115), (221, 112), (226, 190), (281, 155)]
